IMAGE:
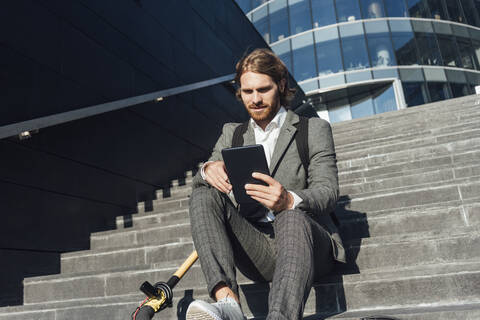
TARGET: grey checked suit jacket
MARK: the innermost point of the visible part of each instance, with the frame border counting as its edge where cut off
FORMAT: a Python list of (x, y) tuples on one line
[(318, 188)]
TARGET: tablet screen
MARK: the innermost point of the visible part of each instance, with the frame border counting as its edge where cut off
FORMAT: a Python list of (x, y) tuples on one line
[(241, 162)]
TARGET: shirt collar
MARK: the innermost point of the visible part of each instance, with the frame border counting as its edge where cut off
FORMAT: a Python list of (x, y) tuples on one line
[(276, 122)]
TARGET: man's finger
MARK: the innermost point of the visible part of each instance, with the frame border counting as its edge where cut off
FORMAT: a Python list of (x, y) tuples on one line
[(264, 177), (266, 203), (260, 195), (257, 187), (225, 186)]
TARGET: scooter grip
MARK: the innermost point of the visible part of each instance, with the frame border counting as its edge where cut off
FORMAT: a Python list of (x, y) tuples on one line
[(145, 313)]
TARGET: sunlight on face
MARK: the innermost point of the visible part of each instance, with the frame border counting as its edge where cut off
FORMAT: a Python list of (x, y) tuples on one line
[(260, 96)]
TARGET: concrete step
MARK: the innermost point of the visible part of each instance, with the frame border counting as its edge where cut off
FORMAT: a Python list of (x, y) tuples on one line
[(446, 175), (356, 205), (152, 218), (428, 115), (110, 259), (378, 130), (162, 205), (409, 198), (406, 167), (361, 182), (401, 134), (398, 223), (454, 311), (461, 152), (155, 234), (430, 285), (412, 145), (385, 253), (120, 307)]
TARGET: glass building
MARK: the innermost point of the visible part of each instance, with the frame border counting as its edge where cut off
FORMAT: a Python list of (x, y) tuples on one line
[(356, 58)]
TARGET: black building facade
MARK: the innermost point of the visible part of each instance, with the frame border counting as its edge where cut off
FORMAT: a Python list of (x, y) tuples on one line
[(73, 178)]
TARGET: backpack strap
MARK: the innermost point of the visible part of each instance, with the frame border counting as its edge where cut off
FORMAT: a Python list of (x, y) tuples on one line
[(237, 139), (301, 138)]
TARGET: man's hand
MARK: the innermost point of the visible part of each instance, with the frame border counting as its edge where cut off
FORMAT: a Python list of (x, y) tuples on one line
[(216, 176), (274, 196)]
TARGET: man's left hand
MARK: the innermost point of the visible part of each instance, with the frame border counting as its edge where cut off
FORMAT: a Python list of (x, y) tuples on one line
[(273, 196)]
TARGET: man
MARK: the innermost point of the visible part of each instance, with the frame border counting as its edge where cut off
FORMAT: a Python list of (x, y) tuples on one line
[(293, 240)]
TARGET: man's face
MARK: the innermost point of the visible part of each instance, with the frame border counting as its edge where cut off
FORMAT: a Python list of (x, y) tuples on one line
[(260, 96)]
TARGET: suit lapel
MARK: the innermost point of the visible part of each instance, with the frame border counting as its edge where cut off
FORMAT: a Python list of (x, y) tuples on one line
[(287, 132)]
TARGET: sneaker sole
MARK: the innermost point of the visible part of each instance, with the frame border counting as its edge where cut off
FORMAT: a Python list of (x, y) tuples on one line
[(196, 313)]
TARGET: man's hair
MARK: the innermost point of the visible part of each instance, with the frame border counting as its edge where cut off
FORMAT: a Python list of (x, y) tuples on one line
[(266, 62)]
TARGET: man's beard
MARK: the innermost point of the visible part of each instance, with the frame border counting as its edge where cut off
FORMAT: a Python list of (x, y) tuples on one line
[(266, 114)]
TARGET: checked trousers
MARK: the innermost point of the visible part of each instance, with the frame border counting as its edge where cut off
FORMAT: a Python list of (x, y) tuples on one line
[(291, 252)]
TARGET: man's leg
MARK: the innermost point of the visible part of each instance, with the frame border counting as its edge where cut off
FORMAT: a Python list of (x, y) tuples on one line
[(304, 251), (222, 237)]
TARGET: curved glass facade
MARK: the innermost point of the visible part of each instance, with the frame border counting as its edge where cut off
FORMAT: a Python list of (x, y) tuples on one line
[(431, 46)]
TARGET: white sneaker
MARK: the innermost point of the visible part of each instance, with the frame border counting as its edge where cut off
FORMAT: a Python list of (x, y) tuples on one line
[(225, 309)]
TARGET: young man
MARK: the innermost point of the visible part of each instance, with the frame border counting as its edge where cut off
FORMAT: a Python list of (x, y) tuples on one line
[(291, 238)]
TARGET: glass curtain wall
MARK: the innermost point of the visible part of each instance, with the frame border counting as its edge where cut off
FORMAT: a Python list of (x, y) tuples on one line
[(354, 103), (307, 14)]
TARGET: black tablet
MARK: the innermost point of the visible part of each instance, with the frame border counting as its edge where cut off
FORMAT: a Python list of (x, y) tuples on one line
[(241, 162)]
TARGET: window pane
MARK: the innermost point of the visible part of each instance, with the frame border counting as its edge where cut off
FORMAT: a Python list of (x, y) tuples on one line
[(454, 12), (260, 21), (303, 57), (339, 111), (395, 8), (415, 93), (405, 48), (476, 49), (256, 3), (418, 9), (428, 49), (278, 17), (299, 16), (381, 50), (435, 74), (355, 53), (448, 48), (471, 13), (467, 53), (358, 76), (246, 5), (411, 75), (362, 106), (347, 10), (372, 9), (459, 89), (456, 76), (329, 56), (332, 81), (384, 100), (438, 91), (436, 9), (309, 86), (385, 73), (323, 13), (282, 50)]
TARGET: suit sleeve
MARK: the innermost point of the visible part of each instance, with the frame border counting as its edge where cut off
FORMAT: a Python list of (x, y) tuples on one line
[(224, 141), (322, 190)]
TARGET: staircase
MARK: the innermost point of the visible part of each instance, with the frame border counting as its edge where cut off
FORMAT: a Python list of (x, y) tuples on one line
[(410, 213)]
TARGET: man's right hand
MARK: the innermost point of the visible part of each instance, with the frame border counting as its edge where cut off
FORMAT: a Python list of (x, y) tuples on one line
[(216, 176)]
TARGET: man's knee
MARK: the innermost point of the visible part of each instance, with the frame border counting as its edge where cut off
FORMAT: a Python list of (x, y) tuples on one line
[(293, 221), (207, 200)]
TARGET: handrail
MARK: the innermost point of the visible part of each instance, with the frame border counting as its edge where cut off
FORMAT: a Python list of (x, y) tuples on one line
[(59, 118)]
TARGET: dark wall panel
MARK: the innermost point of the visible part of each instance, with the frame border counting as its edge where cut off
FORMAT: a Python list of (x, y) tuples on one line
[(73, 179)]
